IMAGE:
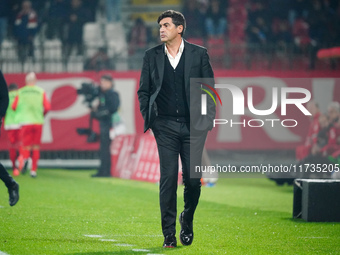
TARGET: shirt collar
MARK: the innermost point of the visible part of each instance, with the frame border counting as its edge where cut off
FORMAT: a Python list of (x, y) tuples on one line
[(181, 48)]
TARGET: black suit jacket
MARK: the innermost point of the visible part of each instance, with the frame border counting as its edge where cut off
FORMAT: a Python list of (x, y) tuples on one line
[(3, 96), (197, 65)]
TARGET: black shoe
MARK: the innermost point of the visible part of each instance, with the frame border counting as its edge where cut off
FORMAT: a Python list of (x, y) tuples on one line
[(13, 194), (170, 241), (186, 236)]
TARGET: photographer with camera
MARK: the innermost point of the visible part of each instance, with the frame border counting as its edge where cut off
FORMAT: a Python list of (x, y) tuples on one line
[(108, 105)]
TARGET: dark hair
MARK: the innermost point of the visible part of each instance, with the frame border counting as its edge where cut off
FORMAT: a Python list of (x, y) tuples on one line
[(12, 86), (177, 18), (107, 77)]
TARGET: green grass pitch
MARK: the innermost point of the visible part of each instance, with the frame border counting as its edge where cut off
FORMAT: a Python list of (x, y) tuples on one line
[(58, 210)]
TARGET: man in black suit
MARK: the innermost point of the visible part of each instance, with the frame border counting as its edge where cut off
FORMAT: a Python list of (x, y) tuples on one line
[(11, 184), (165, 95)]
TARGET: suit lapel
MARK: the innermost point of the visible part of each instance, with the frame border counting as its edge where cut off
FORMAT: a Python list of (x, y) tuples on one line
[(160, 64)]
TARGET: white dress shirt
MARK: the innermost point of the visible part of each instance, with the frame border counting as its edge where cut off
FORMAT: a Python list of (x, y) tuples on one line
[(175, 60)]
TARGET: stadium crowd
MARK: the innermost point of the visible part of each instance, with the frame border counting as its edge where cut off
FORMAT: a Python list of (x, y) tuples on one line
[(276, 26), (22, 20), (295, 26)]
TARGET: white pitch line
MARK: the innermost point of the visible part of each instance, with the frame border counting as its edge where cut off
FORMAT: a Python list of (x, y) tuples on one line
[(154, 254), (1, 207), (140, 250), (139, 235), (2, 253), (314, 237), (108, 240), (94, 236)]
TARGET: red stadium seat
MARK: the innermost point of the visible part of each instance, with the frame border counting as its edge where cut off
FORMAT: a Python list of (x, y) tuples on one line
[(335, 52), (329, 53), (324, 53)]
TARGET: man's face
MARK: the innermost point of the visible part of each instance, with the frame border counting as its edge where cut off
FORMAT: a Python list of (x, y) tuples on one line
[(168, 31), (105, 84)]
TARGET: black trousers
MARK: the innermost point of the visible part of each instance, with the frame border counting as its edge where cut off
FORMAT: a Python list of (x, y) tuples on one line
[(104, 151), (173, 140), (5, 177)]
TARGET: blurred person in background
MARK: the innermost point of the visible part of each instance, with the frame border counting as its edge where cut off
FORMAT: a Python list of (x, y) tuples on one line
[(333, 111), (139, 37), (301, 36), (215, 21), (303, 151), (258, 9), (327, 143), (317, 20), (281, 36), (99, 61), (15, 7), (195, 19), (39, 7), (12, 127), (298, 8), (326, 136), (4, 15), (76, 17), (25, 29), (334, 128), (258, 32), (56, 17), (108, 105), (91, 6), (113, 10), (11, 184), (334, 149), (31, 106)]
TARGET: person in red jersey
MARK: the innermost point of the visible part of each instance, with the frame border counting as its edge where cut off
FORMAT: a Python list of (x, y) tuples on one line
[(303, 151), (12, 127), (31, 106)]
